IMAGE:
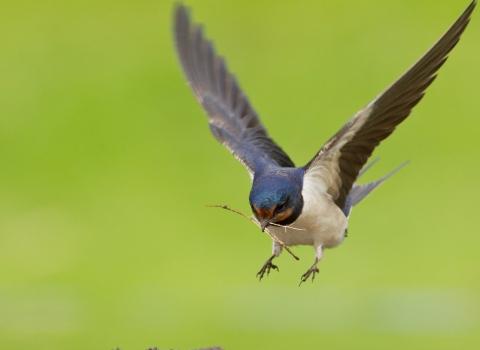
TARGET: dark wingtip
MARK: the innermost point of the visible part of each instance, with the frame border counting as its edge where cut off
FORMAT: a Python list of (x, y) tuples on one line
[(178, 9), (179, 6), (181, 16)]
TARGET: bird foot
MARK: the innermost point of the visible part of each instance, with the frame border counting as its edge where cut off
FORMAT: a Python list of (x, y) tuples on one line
[(266, 268), (311, 271)]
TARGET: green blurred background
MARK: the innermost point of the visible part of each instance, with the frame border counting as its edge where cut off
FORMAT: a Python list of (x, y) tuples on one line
[(107, 164)]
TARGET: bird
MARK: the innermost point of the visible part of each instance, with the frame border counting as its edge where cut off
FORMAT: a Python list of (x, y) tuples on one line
[(311, 204)]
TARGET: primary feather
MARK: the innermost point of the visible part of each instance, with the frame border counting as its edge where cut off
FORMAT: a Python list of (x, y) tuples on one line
[(232, 119), (344, 155)]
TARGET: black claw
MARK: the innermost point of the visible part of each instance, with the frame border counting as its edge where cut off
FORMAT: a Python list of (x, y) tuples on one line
[(266, 268), (311, 271)]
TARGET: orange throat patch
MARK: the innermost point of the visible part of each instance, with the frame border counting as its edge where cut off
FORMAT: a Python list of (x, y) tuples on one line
[(283, 216)]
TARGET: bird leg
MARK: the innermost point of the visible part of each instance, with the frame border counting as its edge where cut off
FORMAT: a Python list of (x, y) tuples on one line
[(267, 267), (314, 269)]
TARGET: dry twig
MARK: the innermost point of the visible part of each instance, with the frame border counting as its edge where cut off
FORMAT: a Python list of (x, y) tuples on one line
[(252, 219)]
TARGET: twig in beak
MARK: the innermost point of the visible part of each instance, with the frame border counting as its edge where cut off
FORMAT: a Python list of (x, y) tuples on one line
[(287, 226), (252, 219)]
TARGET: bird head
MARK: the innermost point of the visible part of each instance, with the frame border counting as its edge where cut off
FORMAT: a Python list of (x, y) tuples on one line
[(276, 198)]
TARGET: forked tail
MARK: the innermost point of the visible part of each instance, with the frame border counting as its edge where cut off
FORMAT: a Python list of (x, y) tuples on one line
[(359, 192)]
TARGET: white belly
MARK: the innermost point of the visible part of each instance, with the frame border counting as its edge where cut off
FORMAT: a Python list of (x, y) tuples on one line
[(321, 223)]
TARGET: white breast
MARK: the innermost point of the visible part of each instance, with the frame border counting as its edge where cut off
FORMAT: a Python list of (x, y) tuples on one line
[(321, 223)]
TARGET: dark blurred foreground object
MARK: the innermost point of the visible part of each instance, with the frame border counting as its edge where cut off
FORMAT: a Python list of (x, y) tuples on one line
[(309, 205), (155, 348)]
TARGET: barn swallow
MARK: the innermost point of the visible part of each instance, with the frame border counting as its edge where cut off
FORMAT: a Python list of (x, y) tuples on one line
[(311, 204)]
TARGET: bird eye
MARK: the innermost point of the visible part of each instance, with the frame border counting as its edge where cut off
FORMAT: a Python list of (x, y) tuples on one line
[(281, 206)]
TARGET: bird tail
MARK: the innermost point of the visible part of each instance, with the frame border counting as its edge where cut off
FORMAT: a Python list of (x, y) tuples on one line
[(359, 192)]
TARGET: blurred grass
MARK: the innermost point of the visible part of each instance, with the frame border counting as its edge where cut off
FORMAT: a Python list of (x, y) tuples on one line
[(107, 164)]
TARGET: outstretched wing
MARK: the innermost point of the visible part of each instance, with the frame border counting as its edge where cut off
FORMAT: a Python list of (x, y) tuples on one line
[(336, 166), (232, 120)]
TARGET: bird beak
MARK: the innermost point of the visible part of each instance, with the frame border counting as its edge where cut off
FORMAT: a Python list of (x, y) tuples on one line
[(264, 224)]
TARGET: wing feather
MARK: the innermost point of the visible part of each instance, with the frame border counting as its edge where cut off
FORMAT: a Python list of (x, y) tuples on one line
[(351, 147), (232, 119)]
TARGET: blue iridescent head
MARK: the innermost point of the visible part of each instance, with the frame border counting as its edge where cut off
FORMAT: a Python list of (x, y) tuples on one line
[(276, 197)]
